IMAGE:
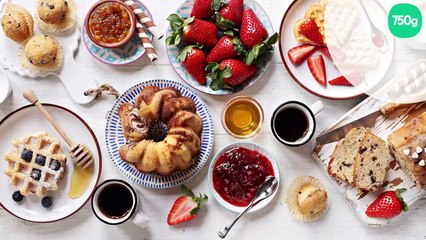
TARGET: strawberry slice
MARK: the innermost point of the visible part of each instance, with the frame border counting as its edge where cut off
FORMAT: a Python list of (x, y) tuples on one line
[(310, 29), (317, 67), (185, 207), (300, 53), (340, 81), (325, 52)]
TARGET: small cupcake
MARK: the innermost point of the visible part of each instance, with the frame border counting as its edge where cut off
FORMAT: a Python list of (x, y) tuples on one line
[(42, 53), (307, 198), (17, 23), (55, 15)]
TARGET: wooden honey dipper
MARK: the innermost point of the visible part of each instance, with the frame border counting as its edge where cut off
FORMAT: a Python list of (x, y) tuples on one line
[(80, 153)]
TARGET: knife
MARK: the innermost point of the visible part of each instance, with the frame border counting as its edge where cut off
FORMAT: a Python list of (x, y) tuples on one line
[(367, 121)]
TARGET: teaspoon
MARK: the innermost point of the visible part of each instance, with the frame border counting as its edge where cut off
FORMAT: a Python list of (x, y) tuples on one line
[(268, 187)]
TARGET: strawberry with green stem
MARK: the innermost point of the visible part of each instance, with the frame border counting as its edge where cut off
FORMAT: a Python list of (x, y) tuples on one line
[(192, 31), (229, 15), (252, 31), (228, 47), (202, 9), (194, 61), (229, 73), (388, 205), (186, 207)]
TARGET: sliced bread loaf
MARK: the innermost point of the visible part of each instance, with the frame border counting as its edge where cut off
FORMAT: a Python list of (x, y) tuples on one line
[(341, 163), (371, 163)]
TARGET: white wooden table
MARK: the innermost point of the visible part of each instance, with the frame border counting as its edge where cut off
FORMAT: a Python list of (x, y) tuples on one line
[(274, 221)]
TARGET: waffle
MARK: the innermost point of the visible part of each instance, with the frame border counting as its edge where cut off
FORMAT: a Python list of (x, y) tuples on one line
[(25, 165), (340, 19), (315, 12)]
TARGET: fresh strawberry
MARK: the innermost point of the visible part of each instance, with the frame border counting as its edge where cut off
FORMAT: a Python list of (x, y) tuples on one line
[(227, 48), (300, 53), (186, 207), (229, 73), (233, 12), (192, 31), (340, 81), (202, 9), (388, 205), (252, 31), (194, 60), (310, 29), (325, 52), (317, 67)]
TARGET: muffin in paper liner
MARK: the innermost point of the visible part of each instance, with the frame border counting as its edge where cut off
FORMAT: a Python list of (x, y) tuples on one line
[(41, 69), (21, 30), (306, 198), (63, 25)]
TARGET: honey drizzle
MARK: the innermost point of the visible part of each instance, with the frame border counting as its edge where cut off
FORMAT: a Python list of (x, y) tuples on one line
[(80, 181)]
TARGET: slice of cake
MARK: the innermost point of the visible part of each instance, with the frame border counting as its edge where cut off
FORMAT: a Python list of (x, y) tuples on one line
[(407, 145), (371, 163), (341, 164)]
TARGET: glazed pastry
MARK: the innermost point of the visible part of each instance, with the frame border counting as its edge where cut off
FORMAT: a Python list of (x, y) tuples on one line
[(41, 52), (178, 150), (37, 165), (17, 23), (306, 198), (408, 146), (55, 15), (135, 128)]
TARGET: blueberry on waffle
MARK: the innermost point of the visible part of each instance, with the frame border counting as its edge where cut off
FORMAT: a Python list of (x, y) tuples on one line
[(37, 165)]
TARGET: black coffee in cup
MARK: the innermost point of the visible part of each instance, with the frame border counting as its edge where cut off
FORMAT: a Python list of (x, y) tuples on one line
[(115, 201), (291, 124)]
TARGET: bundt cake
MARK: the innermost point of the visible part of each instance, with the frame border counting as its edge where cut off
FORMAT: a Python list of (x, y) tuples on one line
[(181, 145)]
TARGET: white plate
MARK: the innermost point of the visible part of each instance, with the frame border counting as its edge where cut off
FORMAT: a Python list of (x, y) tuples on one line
[(172, 51), (5, 87), (27, 120), (75, 84), (251, 146), (301, 73)]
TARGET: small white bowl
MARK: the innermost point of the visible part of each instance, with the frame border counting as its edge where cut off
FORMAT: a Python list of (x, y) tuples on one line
[(5, 87), (251, 146)]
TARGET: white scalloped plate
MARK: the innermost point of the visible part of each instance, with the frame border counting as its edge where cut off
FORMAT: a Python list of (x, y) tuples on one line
[(69, 40)]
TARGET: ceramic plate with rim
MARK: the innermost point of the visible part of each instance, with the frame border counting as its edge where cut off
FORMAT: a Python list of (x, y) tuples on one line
[(251, 146), (26, 121), (130, 52), (172, 51), (301, 73), (114, 138)]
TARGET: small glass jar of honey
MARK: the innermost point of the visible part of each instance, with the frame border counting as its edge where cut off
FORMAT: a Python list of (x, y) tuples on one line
[(242, 117)]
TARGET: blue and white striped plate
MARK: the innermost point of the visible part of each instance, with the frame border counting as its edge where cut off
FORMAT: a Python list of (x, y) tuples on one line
[(263, 65), (114, 138)]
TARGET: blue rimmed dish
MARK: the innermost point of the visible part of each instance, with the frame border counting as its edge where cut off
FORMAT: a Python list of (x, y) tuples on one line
[(114, 138), (126, 54), (173, 51)]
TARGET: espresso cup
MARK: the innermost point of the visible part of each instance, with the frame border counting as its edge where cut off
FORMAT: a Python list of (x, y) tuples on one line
[(115, 201), (293, 123)]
